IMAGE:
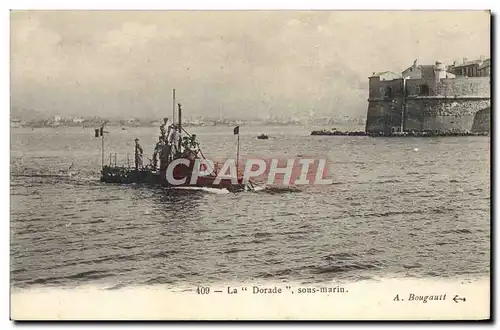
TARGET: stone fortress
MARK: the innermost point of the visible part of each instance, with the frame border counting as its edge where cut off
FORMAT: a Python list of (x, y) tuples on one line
[(431, 98)]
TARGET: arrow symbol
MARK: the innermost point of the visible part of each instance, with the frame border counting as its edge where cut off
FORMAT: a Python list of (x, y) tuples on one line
[(457, 298)]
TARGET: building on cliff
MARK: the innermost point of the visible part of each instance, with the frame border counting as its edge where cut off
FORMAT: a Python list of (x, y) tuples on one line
[(430, 98), (476, 68)]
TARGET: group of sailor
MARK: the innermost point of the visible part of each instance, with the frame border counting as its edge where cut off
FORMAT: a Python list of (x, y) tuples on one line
[(168, 143)]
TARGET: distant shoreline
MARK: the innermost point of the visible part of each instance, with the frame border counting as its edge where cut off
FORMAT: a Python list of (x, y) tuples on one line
[(249, 124)]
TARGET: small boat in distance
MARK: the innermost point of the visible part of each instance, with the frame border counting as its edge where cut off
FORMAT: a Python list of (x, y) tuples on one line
[(263, 137)]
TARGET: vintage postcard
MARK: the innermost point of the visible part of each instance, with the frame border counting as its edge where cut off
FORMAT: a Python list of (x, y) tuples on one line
[(250, 165)]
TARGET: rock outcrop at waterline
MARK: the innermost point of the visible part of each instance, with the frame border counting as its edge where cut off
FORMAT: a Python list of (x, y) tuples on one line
[(340, 133), (482, 121)]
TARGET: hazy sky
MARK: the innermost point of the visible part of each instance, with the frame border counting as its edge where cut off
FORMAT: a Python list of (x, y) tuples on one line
[(239, 64)]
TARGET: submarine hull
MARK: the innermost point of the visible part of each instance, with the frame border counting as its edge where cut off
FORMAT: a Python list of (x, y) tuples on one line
[(121, 175)]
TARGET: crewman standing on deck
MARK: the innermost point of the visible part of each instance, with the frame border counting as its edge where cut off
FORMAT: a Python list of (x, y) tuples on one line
[(173, 139), (138, 154), (163, 128), (158, 150)]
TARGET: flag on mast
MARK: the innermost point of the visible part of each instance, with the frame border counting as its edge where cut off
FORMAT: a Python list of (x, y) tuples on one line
[(99, 132), (236, 130)]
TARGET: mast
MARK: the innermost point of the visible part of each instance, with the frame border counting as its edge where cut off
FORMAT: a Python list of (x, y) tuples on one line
[(403, 110), (102, 145), (173, 106), (236, 131), (180, 127), (238, 156)]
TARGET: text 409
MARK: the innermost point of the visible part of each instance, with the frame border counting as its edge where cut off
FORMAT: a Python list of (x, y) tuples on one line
[(203, 290)]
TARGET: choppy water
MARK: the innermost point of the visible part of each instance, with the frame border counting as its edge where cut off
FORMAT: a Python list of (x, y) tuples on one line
[(398, 207)]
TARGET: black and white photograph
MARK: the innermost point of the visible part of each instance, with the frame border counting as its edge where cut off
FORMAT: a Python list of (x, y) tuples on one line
[(250, 164)]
